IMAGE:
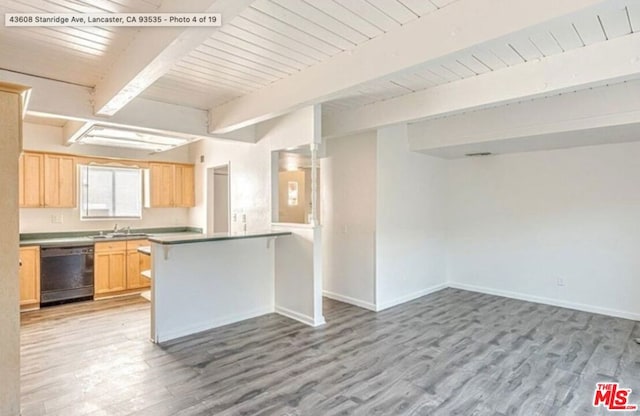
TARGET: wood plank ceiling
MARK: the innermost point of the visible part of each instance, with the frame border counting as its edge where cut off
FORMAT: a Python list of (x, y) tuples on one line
[(536, 43), (79, 55), (274, 39)]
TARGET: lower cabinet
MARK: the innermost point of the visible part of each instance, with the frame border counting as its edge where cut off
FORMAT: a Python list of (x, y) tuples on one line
[(29, 277), (110, 267), (117, 267)]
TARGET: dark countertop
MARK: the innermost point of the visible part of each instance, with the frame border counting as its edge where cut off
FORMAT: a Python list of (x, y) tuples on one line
[(201, 238), (85, 238), (61, 241)]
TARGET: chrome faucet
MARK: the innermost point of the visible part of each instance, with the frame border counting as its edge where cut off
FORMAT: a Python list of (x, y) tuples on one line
[(126, 229)]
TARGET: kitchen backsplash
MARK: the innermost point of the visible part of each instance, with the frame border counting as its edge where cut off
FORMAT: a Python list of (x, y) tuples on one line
[(39, 220)]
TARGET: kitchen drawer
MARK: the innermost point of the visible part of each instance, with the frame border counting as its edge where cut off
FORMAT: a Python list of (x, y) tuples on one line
[(110, 246), (134, 244)]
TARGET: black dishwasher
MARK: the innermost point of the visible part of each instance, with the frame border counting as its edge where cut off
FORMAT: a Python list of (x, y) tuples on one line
[(66, 274)]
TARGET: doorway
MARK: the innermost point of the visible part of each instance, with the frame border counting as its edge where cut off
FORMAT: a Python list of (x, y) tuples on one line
[(218, 199)]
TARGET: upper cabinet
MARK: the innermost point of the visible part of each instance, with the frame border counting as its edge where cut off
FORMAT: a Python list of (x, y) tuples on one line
[(162, 184), (47, 180), (172, 185), (184, 186), (60, 181), (30, 180), (51, 180)]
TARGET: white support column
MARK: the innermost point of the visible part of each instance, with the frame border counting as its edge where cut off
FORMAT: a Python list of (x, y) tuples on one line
[(318, 254)]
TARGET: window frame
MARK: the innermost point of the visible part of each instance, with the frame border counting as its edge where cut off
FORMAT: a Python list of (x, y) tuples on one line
[(83, 200)]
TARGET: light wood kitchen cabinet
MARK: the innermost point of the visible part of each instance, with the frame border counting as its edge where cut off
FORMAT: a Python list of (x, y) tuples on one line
[(136, 263), (117, 267), (184, 186), (110, 267), (172, 185), (162, 184), (30, 180), (59, 181), (47, 180), (29, 277)]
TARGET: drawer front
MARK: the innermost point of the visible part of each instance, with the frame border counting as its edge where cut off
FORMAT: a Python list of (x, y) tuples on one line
[(110, 246), (134, 244)]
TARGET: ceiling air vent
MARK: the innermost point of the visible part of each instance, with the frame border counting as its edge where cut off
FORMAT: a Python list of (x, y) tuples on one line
[(479, 154)]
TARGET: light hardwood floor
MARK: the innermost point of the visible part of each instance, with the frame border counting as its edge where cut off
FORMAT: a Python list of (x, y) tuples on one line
[(449, 353)]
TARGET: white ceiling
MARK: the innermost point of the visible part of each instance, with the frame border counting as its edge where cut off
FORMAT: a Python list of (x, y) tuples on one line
[(549, 39), (80, 55), (265, 44), (273, 39)]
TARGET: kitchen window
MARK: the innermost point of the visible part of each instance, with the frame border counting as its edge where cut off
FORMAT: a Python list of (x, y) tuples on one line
[(108, 192)]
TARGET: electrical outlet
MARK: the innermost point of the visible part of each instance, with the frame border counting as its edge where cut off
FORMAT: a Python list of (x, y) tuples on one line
[(57, 219), (560, 281)]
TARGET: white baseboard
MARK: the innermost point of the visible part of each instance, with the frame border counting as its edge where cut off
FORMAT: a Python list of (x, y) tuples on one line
[(206, 325), (348, 299), (411, 296), (547, 301), (297, 316)]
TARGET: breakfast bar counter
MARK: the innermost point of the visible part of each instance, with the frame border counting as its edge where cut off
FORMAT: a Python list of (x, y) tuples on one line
[(199, 238), (205, 281)]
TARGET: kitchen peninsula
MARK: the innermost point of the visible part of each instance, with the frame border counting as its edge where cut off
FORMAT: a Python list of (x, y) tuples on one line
[(205, 281)]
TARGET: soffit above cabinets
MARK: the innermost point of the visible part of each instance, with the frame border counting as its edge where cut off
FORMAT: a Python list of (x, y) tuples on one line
[(47, 121)]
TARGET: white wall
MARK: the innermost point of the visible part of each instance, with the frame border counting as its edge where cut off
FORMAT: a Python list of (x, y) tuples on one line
[(517, 223), (348, 183), (295, 261), (249, 181), (250, 168), (49, 138), (410, 220), (38, 220), (204, 285), (298, 285)]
